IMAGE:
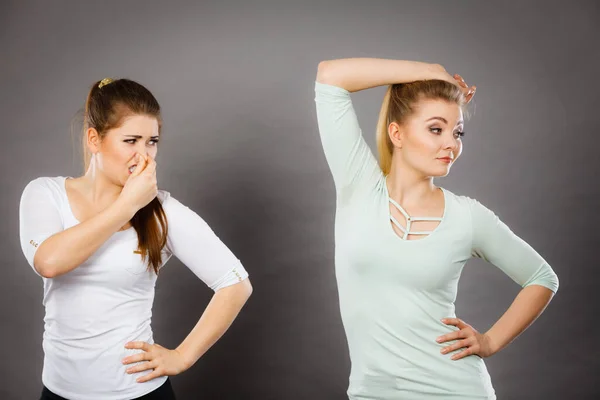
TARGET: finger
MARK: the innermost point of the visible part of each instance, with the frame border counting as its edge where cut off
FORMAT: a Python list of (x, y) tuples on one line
[(462, 354), (457, 345), (141, 367), (470, 94), (451, 321), (141, 164), (461, 82), (150, 165), (145, 356), (138, 345), (452, 335), (150, 376)]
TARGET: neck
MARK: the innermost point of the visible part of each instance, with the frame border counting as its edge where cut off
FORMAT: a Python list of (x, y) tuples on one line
[(408, 186), (98, 189)]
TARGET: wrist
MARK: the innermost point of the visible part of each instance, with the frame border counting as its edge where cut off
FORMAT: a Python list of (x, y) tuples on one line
[(123, 210), (188, 359), (492, 342), (436, 71)]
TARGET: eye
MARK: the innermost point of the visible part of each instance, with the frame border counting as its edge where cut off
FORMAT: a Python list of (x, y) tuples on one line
[(130, 141), (459, 134), (437, 131), (153, 142)]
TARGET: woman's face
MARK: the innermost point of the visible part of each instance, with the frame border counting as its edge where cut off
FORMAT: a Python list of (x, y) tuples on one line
[(430, 139), (115, 154)]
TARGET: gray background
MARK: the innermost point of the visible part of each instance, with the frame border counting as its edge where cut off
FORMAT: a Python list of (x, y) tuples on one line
[(240, 146)]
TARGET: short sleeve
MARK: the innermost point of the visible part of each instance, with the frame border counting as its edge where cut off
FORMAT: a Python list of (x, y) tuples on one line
[(350, 159), (194, 243), (39, 217), (494, 242)]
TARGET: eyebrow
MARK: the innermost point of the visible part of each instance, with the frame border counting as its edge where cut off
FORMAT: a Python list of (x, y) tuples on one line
[(140, 137), (444, 120)]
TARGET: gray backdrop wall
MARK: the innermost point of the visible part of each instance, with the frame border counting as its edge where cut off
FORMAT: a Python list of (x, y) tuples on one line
[(240, 146)]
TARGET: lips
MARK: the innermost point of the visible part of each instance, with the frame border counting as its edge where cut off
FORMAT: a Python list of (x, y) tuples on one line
[(132, 168), (445, 159)]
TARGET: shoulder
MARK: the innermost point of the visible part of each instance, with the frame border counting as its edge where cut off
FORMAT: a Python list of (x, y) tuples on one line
[(48, 182), (51, 187), (43, 192), (163, 196), (458, 200), (464, 202), (469, 208), (171, 205)]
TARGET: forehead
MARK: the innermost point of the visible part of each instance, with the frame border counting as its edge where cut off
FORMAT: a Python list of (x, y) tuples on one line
[(140, 125), (428, 108)]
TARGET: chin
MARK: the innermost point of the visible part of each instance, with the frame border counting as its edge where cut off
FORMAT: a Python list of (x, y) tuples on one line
[(119, 180), (440, 173)]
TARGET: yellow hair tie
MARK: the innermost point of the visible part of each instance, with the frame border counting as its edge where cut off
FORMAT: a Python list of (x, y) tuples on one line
[(104, 82)]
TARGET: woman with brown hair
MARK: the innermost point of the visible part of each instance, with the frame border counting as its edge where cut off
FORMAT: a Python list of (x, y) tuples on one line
[(99, 242), (401, 242)]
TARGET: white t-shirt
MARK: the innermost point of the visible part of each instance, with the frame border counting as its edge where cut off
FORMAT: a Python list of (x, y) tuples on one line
[(93, 310)]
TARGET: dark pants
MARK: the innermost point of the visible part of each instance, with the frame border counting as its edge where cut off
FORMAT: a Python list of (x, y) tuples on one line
[(164, 392)]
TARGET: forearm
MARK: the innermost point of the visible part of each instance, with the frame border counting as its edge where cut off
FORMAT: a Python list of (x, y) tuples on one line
[(68, 249), (214, 322), (354, 74), (526, 308)]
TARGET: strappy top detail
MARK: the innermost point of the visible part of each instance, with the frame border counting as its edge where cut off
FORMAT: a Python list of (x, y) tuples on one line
[(409, 220)]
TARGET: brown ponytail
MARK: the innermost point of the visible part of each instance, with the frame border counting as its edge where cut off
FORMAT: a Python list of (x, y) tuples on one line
[(107, 104)]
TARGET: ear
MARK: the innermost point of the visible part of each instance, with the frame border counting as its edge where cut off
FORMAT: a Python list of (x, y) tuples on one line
[(93, 140), (396, 134)]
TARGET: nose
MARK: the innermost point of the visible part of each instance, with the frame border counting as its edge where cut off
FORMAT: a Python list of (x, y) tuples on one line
[(451, 142), (141, 148)]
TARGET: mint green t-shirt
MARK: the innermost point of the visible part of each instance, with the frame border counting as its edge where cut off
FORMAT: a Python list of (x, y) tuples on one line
[(393, 292)]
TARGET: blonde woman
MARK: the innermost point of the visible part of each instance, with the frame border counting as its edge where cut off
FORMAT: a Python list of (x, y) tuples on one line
[(401, 241)]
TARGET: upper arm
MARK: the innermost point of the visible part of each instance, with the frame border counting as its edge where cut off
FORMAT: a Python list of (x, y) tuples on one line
[(495, 242), (350, 159), (39, 218), (194, 243)]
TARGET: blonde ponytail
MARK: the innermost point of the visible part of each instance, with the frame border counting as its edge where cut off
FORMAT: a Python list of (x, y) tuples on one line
[(384, 144)]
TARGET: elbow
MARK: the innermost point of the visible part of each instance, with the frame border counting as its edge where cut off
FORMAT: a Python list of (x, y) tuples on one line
[(325, 72), (552, 282), (238, 293), (243, 290), (556, 284), (546, 277), (45, 266), (247, 288), (45, 270)]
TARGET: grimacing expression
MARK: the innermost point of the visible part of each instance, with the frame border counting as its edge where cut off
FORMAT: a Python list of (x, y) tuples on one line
[(433, 132), (116, 152)]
